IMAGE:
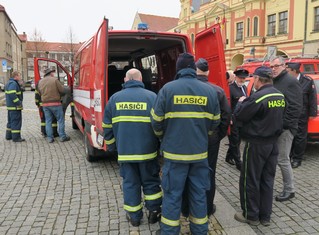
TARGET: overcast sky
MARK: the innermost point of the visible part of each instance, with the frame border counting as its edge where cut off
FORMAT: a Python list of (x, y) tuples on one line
[(54, 18)]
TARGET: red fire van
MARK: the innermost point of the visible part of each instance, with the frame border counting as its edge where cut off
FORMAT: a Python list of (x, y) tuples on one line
[(101, 63)]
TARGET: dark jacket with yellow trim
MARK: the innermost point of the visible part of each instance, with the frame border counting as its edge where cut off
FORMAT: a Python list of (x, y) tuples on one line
[(14, 95), (260, 116), (127, 123), (184, 112)]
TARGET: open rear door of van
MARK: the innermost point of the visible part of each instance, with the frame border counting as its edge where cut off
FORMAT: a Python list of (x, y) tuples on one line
[(60, 72), (100, 90), (209, 45)]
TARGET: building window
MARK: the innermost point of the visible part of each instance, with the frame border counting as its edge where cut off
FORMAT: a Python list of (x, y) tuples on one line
[(239, 31), (271, 25), (59, 56), (248, 27), (316, 25), (283, 20), (255, 26)]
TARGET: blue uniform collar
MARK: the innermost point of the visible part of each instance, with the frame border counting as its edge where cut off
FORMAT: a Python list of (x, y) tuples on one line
[(133, 83), (187, 72)]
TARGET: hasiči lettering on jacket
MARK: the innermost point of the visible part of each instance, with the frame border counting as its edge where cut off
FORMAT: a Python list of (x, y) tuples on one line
[(190, 99), (131, 106), (276, 103)]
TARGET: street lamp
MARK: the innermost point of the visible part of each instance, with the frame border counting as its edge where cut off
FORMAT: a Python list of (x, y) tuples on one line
[(47, 58)]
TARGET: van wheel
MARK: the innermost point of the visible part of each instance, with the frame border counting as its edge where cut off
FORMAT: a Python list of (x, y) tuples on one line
[(74, 126), (91, 153)]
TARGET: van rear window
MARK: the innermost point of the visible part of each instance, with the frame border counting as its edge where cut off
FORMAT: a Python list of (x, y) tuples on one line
[(309, 68)]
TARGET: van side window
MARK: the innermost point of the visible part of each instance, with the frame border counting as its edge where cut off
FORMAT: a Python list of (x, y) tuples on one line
[(77, 71), (309, 68)]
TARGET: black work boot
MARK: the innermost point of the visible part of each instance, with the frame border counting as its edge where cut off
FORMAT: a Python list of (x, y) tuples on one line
[(154, 216)]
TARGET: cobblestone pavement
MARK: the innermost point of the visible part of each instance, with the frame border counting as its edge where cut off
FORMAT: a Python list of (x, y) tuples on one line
[(51, 189)]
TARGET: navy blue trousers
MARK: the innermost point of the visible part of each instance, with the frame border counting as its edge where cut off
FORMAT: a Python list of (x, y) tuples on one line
[(257, 180), (141, 176), (14, 125)]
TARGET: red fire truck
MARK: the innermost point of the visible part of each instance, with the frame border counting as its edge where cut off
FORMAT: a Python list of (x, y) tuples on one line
[(101, 63)]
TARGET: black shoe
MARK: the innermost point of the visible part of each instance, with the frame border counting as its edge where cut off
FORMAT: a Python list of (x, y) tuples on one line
[(8, 138), (230, 161), (44, 135), (211, 211), (284, 196), (295, 164), (154, 216), (65, 139), (51, 140), (240, 218), (265, 222), (133, 222), (238, 166), (19, 140), (55, 134)]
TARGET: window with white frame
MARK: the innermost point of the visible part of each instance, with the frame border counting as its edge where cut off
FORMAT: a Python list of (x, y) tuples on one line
[(283, 21), (316, 23), (271, 31), (239, 31)]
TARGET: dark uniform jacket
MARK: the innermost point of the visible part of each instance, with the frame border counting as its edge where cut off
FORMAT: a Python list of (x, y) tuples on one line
[(309, 96), (291, 89), (235, 93), (184, 112), (14, 95), (225, 110), (261, 115), (127, 123)]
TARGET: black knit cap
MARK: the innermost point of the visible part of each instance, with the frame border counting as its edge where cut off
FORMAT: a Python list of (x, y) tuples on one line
[(241, 73), (263, 71), (293, 65), (185, 60), (202, 64)]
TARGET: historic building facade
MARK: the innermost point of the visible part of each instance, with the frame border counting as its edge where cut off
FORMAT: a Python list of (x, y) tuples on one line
[(12, 48), (256, 29)]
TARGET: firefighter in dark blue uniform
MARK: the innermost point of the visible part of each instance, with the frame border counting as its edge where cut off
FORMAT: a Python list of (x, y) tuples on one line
[(14, 98), (237, 90), (260, 119), (309, 110), (127, 128), (214, 139), (185, 111)]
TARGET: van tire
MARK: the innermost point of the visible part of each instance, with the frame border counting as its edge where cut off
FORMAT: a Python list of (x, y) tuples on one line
[(74, 126), (91, 153)]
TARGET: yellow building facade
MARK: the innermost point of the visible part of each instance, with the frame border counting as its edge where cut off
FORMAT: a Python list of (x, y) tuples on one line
[(256, 29)]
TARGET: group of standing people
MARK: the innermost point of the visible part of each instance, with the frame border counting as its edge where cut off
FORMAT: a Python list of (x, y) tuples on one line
[(49, 91), (187, 120), (184, 123)]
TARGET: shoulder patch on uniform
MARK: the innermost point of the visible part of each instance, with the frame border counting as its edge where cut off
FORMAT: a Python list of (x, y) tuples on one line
[(307, 77)]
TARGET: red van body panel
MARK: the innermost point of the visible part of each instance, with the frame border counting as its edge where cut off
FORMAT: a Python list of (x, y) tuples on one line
[(98, 70)]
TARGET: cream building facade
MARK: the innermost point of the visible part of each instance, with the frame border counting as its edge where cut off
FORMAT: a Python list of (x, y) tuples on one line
[(12, 48), (256, 29)]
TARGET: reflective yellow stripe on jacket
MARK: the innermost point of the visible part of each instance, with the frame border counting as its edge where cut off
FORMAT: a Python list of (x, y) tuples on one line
[(137, 157), (192, 115), (185, 157), (131, 119)]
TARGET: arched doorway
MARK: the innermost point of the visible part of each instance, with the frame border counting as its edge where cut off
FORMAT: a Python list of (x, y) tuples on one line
[(236, 60), (281, 53)]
